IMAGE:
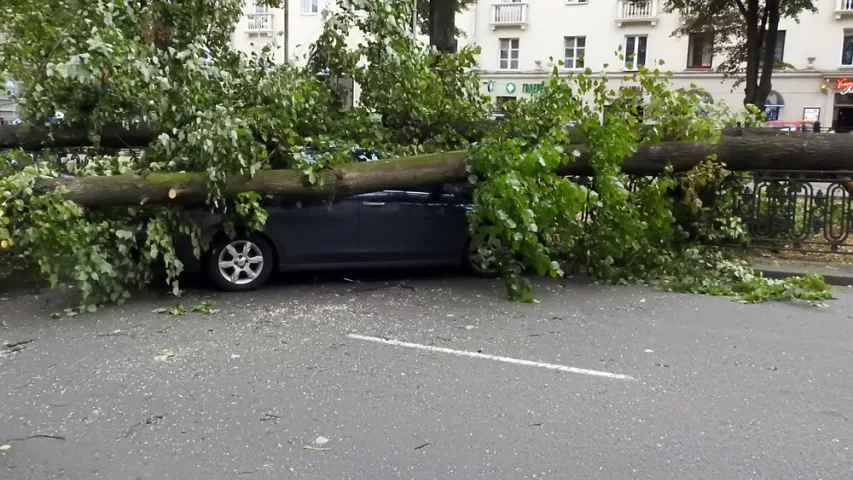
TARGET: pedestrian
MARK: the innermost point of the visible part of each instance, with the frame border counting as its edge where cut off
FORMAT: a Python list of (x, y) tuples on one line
[(817, 126)]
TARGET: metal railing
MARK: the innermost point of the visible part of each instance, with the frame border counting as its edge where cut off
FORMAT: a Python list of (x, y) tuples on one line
[(845, 5), (509, 14), (807, 211), (259, 22)]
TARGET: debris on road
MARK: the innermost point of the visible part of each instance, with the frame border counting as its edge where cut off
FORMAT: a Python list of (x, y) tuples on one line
[(648, 350), (148, 421), (321, 440), (38, 435), (319, 449), (164, 355), (13, 347), (422, 446)]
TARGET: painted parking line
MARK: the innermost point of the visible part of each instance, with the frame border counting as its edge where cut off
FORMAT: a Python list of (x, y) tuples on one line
[(496, 358)]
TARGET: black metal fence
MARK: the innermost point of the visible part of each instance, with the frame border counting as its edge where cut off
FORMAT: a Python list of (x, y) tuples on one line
[(808, 211)]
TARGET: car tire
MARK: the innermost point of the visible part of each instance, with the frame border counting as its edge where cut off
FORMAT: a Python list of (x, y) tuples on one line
[(473, 267), (241, 264)]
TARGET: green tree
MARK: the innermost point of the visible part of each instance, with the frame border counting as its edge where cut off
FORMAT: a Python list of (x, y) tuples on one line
[(168, 65), (744, 35)]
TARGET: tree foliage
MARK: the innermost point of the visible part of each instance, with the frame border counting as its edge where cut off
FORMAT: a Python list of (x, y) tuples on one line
[(744, 36), (167, 64)]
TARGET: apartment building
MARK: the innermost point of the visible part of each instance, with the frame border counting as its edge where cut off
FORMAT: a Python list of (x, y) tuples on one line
[(518, 38)]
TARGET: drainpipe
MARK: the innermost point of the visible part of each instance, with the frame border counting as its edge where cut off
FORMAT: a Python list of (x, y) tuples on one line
[(473, 38), (415, 18), (286, 7)]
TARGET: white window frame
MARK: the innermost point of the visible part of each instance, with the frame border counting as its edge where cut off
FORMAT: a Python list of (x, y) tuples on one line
[(260, 9), (577, 2), (578, 52), (312, 7), (636, 51), (509, 50)]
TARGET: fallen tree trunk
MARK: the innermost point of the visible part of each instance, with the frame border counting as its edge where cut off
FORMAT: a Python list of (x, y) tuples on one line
[(761, 152), (34, 138)]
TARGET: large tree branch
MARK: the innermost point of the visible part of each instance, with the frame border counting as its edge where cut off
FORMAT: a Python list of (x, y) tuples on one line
[(749, 152)]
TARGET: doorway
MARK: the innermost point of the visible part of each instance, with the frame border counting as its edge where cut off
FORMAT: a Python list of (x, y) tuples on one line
[(842, 115)]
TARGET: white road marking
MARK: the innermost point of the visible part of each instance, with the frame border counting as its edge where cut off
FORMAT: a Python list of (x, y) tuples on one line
[(516, 361)]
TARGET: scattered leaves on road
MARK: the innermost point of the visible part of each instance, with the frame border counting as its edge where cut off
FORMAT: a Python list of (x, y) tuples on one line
[(321, 440), (164, 355), (178, 309), (5, 447)]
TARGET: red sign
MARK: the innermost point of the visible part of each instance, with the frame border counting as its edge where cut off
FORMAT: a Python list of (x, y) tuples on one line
[(844, 86)]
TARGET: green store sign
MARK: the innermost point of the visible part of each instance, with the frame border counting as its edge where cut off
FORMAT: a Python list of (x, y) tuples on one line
[(532, 87)]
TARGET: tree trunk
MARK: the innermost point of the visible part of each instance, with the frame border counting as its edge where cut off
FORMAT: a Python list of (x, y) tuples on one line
[(442, 25), (768, 51), (748, 152), (39, 138), (752, 57)]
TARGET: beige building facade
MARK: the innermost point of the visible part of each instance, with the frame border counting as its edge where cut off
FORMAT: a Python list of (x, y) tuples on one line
[(519, 38)]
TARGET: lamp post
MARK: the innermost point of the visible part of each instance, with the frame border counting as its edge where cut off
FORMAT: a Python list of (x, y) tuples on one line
[(415, 18)]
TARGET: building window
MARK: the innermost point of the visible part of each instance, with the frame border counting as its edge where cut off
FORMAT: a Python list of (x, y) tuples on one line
[(779, 53), (574, 52), (635, 51), (700, 50), (509, 54), (260, 9), (847, 50), (311, 7)]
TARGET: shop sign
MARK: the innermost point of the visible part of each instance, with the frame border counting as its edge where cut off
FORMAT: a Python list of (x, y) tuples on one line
[(844, 86), (490, 86), (532, 87), (510, 87)]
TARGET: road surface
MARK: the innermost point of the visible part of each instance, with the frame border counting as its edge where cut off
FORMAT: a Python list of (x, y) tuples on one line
[(437, 377)]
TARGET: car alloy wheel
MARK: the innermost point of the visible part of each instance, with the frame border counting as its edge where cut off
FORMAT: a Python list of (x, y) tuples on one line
[(241, 264), (476, 267)]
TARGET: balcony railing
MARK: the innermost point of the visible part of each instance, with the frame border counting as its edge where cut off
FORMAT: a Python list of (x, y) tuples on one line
[(637, 12), (260, 23), (509, 15), (843, 8)]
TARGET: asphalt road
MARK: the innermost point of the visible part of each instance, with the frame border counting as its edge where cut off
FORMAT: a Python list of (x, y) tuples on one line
[(717, 390)]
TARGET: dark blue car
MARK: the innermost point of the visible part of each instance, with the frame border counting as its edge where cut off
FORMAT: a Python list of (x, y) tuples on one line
[(392, 228)]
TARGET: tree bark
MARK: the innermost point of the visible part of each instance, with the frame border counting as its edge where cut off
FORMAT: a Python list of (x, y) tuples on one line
[(117, 137), (768, 52), (752, 56), (69, 136), (739, 153), (442, 25)]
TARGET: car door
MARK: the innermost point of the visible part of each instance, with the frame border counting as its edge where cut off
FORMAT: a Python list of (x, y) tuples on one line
[(416, 226), (315, 233)]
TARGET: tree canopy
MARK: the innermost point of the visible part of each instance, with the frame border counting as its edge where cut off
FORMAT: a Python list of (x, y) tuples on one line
[(167, 65), (744, 36)]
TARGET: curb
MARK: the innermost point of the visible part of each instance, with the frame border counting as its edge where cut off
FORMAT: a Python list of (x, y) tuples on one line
[(830, 276)]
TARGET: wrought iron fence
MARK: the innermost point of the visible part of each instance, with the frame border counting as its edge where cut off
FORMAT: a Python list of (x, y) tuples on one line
[(806, 211)]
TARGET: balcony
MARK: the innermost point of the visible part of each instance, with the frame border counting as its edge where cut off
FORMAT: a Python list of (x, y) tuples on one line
[(509, 15), (260, 23), (636, 12), (843, 8)]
